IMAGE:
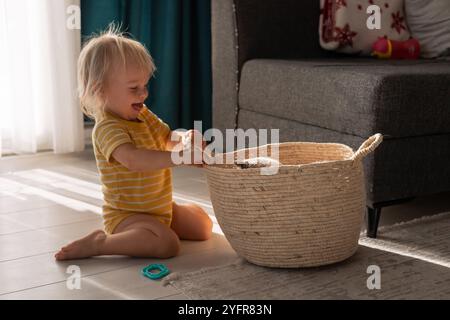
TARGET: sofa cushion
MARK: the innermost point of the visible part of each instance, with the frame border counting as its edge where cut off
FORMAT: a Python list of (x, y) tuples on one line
[(398, 169), (353, 96)]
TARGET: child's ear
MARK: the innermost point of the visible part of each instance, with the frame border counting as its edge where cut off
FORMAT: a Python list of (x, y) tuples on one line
[(99, 91)]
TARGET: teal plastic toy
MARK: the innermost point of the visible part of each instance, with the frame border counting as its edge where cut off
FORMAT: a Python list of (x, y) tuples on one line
[(163, 271)]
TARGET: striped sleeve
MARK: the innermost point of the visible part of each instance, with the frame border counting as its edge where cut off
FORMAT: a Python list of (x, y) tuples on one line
[(159, 126), (108, 135)]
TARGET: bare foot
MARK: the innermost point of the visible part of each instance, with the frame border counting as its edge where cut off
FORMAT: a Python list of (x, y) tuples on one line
[(83, 248)]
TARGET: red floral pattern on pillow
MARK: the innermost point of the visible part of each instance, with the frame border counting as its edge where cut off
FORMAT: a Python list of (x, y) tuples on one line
[(344, 36), (343, 24), (398, 22)]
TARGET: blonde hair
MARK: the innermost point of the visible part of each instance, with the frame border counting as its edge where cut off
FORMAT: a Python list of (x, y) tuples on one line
[(99, 56)]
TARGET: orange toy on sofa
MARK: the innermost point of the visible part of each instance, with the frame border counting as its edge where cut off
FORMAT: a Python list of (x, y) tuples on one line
[(390, 49)]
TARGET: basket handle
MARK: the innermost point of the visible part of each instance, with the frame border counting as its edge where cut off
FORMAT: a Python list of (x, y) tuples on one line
[(367, 147)]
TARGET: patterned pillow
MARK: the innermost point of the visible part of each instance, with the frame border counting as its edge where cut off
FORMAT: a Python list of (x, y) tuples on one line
[(343, 24)]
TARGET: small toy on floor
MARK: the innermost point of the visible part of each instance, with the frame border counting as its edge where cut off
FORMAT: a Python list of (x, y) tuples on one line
[(385, 48), (163, 271)]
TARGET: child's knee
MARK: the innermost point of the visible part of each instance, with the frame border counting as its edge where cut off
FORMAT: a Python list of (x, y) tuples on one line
[(206, 228), (169, 246)]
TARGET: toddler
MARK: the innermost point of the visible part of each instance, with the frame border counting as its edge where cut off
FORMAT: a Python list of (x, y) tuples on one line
[(133, 150)]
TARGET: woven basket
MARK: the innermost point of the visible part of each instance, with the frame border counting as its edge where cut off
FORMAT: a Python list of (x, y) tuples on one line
[(308, 214)]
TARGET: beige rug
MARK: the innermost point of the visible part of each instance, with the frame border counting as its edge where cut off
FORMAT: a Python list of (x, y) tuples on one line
[(413, 257)]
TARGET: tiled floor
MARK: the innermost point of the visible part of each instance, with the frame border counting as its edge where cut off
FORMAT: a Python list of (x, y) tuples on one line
[(48, 200)]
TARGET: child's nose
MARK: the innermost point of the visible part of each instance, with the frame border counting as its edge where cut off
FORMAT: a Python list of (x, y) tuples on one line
[(143, 94)]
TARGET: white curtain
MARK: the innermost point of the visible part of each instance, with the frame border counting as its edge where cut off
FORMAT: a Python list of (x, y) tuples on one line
[(39, 109)]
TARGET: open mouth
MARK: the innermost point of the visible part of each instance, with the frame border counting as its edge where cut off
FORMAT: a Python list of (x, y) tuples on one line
[(137, 106)]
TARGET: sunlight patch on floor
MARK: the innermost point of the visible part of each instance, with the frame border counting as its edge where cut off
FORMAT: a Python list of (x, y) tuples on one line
[(58, 181)]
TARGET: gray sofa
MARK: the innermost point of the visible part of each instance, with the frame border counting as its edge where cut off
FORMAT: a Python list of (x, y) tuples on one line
[(270, 72)]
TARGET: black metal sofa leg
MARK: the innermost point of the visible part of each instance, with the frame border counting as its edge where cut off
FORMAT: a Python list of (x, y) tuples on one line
[(373, 218)]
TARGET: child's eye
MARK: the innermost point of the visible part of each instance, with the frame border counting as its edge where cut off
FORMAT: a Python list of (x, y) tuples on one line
[(134, 88)]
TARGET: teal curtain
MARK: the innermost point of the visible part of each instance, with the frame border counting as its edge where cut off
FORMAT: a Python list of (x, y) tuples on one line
[(178, 35)]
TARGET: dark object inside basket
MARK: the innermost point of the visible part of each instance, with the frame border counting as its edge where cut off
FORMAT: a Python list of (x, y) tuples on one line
[(260, 162)]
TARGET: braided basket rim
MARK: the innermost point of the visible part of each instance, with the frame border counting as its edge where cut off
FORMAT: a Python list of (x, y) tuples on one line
[(343, 147)]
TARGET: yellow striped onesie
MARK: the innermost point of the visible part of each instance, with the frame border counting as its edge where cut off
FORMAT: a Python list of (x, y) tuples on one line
[(127, 193)]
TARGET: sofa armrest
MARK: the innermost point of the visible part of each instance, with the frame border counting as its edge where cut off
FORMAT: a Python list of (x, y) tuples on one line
[(224, 64), (257, 29)]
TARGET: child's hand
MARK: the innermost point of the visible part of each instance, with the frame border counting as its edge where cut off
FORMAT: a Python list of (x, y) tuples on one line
[(194, 136), (194, 143)]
